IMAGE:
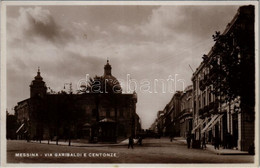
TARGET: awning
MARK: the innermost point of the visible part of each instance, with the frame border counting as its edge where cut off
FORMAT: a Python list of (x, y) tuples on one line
[(199, 124), (215, 122), (19, 128), (210, 122)]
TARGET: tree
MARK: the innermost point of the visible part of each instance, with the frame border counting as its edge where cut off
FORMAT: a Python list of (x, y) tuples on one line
[(232, 62)]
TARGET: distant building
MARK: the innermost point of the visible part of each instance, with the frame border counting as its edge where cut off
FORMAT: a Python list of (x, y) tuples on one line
[(160, 123), (186, 114), (167, 122), (215, 116), (174, 110), (99, 113)]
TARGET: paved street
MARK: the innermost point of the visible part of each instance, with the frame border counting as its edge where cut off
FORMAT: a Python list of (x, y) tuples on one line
[(152, 151)]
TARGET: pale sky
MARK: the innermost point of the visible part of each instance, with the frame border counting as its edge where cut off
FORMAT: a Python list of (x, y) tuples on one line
[(147, 42)]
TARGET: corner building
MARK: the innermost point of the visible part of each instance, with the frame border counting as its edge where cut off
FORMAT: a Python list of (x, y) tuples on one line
[(99, 115), (232, 122)]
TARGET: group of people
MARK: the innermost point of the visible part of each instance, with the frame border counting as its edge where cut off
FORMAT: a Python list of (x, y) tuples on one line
[(228, 141), (215, 140), (189, 139)]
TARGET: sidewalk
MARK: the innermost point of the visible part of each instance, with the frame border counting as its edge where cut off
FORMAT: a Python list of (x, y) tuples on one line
[(219, 151), (222, 151), (180, 139), (80, 144)]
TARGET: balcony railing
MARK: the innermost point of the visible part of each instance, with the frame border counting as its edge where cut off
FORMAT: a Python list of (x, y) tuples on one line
[(206, 111), (213, 74), (213, 107), (185, 112)]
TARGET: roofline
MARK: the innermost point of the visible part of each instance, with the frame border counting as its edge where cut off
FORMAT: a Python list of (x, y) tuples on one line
[(23, 100), (227, 29)]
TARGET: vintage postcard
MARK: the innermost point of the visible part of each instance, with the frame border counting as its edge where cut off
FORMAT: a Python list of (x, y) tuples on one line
[(128, 83)]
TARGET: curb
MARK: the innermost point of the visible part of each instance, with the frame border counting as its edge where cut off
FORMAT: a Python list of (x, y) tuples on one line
[(83, 145)]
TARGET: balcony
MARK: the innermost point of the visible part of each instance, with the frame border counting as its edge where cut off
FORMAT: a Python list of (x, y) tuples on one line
[(185, 112), (213, 74), (206, 111), (213, 107)]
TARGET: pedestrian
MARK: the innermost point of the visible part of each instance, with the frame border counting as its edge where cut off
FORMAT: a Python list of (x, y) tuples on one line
[(204, 142), (228, 146), (131, 142), (140, 141), (225, 141), (216, 144), (171, 137), (188, 141), (27, 137)]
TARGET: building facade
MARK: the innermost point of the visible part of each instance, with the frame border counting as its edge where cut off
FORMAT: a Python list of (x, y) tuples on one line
[(100, 112), (167, 122), (185, 116), (223, 102)]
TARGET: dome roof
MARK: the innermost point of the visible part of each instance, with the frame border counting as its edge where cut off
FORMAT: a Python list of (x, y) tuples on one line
[(109, 80)]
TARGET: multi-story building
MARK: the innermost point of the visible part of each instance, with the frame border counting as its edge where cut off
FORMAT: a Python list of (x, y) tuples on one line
[(224, 104), (175, 110), (102, 115), (167, 121), (185, 116), (160, 123)]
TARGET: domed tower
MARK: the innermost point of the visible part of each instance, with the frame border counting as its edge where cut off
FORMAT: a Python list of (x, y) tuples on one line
[(110, 83), (38, 87), (107, 69)]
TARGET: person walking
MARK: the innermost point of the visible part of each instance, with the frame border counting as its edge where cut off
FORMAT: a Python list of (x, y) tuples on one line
[(225, 141), (131, 142), (171, 137), (216, 145), (140, 141), (204, 142), (188, 141)]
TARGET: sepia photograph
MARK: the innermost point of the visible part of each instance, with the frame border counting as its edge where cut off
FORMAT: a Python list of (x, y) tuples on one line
[(129, 83)]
